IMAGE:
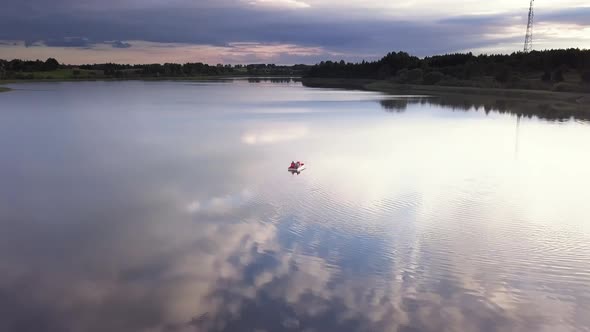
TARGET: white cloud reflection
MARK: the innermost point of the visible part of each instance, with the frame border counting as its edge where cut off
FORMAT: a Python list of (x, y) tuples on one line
[(280, 3), (274, 134), (219, 205)]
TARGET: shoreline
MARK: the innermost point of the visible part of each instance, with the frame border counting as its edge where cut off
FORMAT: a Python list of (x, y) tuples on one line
[(540, 103), (353, 84), (113, 79), (573, 98), (570, 98)]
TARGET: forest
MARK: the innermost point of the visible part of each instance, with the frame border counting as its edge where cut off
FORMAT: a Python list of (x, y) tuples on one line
[(558, 70)]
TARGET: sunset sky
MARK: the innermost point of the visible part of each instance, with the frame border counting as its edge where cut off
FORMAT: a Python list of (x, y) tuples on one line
[(278, 31)]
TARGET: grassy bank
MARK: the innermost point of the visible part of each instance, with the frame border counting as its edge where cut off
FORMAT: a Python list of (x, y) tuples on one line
[(3, 89), (110, 79), (435, 90), (540, 103), (68, 74), (85, 78)]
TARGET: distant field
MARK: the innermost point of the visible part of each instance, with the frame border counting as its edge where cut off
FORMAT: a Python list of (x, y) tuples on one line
[(127, 74), (61, 74)]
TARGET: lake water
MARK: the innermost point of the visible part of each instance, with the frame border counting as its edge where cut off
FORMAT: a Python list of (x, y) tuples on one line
[(167, 206)]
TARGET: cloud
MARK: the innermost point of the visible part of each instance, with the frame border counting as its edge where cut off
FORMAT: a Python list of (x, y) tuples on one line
[(68, 42), (352, 30), (483, 20), (357, 35), (120, 44), (280, 3), (579, 16)]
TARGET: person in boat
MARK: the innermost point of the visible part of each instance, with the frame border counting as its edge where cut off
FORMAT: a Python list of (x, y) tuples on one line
[(293, 165)]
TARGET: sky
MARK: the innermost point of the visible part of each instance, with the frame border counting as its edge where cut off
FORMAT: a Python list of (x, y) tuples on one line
[(279, 31)]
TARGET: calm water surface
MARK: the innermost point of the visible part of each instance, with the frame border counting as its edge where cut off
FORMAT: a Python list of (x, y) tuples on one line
[(166, 206)]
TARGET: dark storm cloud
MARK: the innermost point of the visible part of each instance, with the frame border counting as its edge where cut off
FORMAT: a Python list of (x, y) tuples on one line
[(236, 21), (220, 27)]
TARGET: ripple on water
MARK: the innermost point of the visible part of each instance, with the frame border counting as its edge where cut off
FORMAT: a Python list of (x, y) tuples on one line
[(458, 240)]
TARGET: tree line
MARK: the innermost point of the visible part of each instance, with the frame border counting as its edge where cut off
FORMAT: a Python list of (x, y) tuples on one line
[(560, 70), (51, 68), (555, 69), (20, 66)]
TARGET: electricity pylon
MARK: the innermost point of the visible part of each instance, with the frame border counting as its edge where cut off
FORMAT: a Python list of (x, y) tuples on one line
[(528, 40)]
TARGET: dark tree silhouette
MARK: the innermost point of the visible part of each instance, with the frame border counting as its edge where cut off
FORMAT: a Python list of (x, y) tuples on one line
[(51, 64), (516, 70)]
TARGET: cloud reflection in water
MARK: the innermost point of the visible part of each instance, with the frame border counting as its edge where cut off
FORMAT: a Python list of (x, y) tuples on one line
[(169, 222)]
